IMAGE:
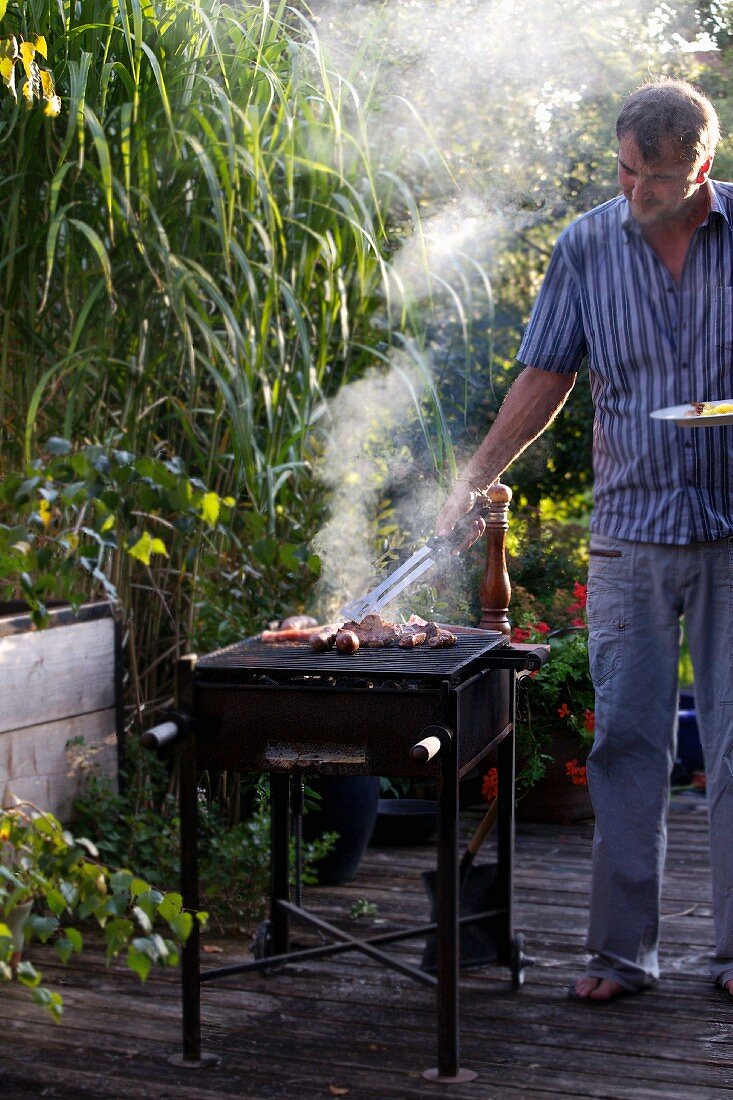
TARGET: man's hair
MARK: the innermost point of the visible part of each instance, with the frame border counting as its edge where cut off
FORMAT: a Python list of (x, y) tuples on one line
[(665, 112)]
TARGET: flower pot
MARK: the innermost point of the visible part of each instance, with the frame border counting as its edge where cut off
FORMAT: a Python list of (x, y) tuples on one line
[(689, 757), (556, 798), (404, 821), (348, 807)]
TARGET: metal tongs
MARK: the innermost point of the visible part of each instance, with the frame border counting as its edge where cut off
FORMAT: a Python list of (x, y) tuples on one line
[(411, 570)]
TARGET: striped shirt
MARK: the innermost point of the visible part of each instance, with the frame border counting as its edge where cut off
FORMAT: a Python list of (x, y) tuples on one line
[(649, 344)]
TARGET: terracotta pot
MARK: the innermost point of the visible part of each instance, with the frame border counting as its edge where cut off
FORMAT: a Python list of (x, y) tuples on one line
[(555, 798)]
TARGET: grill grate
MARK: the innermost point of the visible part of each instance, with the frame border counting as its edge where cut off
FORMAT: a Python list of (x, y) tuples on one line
[(456, 663)]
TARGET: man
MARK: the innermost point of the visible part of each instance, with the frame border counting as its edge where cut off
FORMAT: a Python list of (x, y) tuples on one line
[(642, 286)]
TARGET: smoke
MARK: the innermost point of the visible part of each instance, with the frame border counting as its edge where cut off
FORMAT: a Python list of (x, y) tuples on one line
[(474, 108), (365, 458)]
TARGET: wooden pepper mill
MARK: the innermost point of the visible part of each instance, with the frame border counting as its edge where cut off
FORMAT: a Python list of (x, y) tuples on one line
[(495, 590)]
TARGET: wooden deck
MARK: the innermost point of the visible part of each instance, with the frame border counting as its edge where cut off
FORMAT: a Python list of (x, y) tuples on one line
[(348, 1027)]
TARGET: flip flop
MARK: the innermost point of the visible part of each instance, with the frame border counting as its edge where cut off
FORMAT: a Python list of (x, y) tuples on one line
[(616, 996)]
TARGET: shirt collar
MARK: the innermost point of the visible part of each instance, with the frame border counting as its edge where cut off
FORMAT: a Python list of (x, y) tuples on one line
[(717, 206)]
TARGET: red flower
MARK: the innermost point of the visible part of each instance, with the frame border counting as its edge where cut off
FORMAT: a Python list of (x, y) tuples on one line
[(580, 591), (590, 721), (520, 634), (577, 773), (577, 622), (490, 785), (564, 710), (699, 781), (542, 628)]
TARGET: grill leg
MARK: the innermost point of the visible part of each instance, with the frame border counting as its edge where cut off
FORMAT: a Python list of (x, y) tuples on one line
[(447, 909), (280, 860), (505, 838), (192, 1058)]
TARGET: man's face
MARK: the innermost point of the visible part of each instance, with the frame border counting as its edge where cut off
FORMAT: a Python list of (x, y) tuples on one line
[(660, 190)]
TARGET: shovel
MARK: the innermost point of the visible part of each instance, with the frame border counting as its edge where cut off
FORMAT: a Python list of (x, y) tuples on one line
[(475, 885)]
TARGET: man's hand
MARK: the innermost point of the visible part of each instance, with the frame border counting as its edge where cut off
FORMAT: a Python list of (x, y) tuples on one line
[(459, 503), (532, 403)]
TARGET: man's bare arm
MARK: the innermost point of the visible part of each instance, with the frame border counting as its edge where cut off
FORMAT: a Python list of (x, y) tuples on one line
[(531, 405)]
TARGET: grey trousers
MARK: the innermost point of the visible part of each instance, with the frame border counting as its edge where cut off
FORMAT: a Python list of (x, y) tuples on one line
[(637, 595)]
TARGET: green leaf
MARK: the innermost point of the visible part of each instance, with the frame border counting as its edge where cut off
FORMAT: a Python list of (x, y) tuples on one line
[(64, 948), (139, 962), (117, 933), (170, 906), (142, 918), (43, 927), (27, 974), (55, 901), (50, 1001), (181, 926), (75, 937)]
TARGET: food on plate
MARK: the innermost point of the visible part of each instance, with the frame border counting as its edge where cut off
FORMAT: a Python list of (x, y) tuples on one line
[(711, 408)]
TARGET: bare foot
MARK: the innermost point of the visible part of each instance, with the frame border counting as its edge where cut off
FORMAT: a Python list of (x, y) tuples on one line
[(599, 989), (729, 987)]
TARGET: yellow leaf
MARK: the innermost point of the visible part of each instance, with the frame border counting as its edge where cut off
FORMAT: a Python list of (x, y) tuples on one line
[(27, 53), (158, 547), (7, 70), (109, 522), (53, 103), (44, 509), (141, 550), (41, 47), (8, 46), (53, 107), (3, 7), (210, 508), (145, 546), (32, 85)]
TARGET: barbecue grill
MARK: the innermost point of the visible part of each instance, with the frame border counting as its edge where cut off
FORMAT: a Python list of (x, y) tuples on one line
[(423, 713)]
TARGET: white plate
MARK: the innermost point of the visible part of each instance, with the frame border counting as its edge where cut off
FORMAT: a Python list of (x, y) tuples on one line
[(685, 416)]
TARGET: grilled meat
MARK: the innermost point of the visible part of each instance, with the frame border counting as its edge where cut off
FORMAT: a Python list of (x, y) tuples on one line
[(374, 631), (299, 622), (440, 638), (411, 635), (347, 641), (323, 639)]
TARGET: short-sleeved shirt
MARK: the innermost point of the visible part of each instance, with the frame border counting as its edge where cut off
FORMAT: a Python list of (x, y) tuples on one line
[(649, 345)]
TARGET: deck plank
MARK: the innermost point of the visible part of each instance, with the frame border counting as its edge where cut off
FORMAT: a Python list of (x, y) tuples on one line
[(348, 1024)]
